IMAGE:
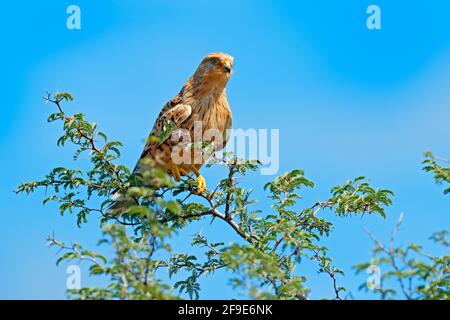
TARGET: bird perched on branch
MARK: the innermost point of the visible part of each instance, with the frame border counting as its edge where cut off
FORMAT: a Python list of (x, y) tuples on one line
[(198, 115)]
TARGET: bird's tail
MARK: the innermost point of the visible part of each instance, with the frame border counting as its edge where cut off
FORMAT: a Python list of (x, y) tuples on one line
[(119, 204), (120, 201)]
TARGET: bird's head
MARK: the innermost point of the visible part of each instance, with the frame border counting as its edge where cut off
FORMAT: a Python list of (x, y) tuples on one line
[(216, 68)]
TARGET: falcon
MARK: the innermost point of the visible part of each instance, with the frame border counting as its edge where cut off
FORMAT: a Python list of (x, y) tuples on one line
[(198, 115)]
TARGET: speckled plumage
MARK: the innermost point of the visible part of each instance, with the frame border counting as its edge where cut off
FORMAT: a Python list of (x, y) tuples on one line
[(202, 98)]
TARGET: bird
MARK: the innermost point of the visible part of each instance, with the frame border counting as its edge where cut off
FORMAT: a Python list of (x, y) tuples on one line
[(199, 114)]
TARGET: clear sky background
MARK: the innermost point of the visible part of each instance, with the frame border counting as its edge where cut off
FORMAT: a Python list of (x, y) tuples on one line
[(348, 101)]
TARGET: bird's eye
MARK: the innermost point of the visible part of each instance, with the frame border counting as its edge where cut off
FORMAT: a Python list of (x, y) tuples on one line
[(213, 61)]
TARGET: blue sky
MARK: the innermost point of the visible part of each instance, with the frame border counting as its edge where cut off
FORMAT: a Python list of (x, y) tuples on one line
[(348, 101)]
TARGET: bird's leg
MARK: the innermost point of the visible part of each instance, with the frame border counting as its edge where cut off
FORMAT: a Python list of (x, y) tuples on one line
[(201, 182), (183, 172), (175, 171)]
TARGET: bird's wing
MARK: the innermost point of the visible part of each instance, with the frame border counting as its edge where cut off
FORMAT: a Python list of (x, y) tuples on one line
[(227, 132), (170, 119)]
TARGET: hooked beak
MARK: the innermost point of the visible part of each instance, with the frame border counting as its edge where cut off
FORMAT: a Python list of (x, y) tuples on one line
[(227, 67)]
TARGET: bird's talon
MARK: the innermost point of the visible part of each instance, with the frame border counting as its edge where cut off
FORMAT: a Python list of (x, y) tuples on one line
[(201, 184)]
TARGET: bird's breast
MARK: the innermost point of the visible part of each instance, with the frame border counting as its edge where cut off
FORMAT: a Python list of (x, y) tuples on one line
[(209, 114)]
